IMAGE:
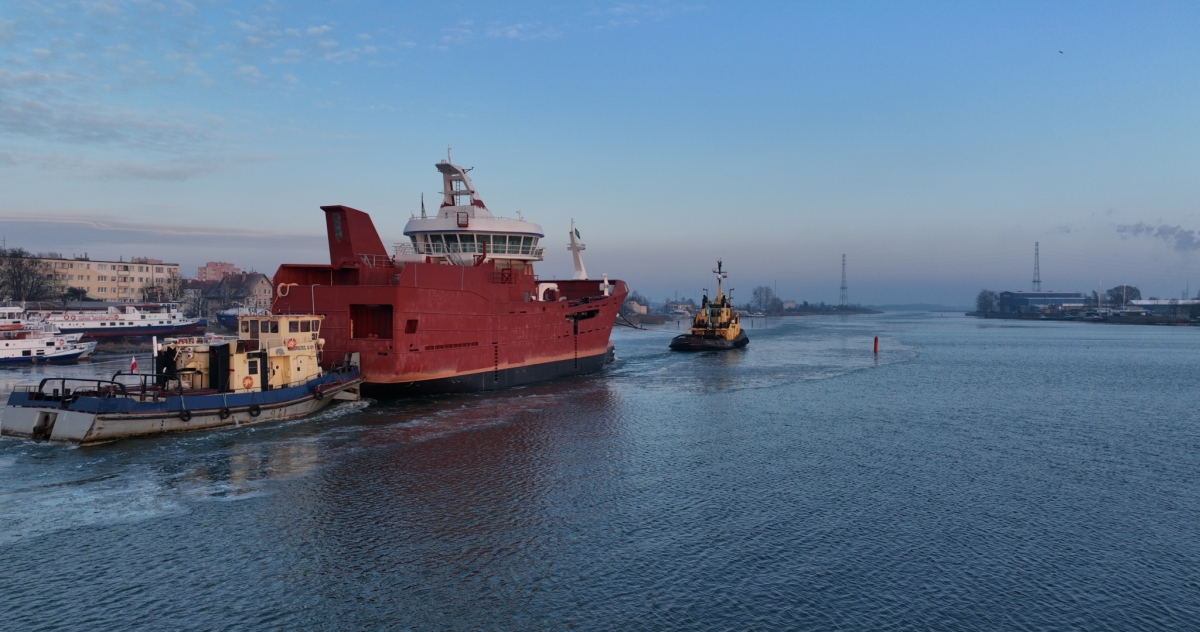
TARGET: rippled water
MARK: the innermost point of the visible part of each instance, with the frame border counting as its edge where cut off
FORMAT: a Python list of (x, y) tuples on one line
[(976, 475)]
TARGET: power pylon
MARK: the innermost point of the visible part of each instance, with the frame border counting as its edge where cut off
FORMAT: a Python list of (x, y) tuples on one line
[(845, 298), (1037, 271)]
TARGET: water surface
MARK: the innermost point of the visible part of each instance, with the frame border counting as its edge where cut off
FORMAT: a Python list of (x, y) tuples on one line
[(975, 475)]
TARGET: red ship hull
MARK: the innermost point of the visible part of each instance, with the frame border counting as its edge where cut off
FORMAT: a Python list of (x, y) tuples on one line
[(423, 328)]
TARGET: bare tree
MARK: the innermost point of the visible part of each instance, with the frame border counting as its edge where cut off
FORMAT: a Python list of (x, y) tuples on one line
[(163, 290), (1122, 294), (762, 296), (986, 301), (25, 278)]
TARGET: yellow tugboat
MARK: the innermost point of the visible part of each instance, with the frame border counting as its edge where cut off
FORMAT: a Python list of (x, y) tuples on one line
[(716, 326)]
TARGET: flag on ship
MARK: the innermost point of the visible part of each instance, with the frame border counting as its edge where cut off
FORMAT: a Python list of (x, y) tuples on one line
[(133, 365), (577, 235)]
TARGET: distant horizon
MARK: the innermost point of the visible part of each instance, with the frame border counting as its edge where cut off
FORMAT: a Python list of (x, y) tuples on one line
[(933, 145)]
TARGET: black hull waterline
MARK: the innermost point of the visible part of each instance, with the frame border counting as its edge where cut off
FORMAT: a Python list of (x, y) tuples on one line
[(688, 342), (493, 380)]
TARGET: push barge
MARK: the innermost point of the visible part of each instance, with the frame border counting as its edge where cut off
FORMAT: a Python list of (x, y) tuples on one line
[(457, 308)]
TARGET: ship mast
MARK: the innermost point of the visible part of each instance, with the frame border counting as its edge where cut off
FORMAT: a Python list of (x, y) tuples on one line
[(576, 248), (720, 275)]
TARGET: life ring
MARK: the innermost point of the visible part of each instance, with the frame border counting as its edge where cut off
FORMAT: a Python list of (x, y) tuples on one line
[(185, 415), (223, 413), (318, 394), (291, 343), (255, 410), (247, 382), (70, 317), (61, 342)]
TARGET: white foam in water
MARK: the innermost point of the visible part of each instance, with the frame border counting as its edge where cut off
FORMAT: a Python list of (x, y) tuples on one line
[(40, 509)]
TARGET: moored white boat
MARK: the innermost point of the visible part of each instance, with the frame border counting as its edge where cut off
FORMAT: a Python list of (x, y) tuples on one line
[(141, 319), (29, 342)]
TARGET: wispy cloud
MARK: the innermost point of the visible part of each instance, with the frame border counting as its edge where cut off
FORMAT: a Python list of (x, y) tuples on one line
[(633, 13), (524, 31), (250, 73), (94, 124), (456, 35), (172, 169), (1180, 238)]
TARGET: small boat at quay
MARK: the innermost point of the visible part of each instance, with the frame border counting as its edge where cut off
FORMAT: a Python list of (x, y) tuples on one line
[(716, 326), (270, 371), (30, 342), (140, 319)]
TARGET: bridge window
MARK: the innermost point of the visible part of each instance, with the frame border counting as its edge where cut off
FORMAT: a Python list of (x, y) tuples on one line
[(305, 326)]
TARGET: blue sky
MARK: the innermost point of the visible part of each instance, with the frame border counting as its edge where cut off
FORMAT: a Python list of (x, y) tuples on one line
[(933, 143)]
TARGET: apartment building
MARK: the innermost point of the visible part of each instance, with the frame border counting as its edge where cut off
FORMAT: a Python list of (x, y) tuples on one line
[(216, 270), (113, 280)]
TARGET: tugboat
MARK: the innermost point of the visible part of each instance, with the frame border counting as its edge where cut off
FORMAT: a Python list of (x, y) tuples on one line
[(716, 326), (269, 372)]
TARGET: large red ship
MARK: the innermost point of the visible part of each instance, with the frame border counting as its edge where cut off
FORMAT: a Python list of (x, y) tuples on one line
[(458, 307)]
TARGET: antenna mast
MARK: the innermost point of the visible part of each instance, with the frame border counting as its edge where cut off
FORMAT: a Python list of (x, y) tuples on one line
[(1037, 271), (844, 300)]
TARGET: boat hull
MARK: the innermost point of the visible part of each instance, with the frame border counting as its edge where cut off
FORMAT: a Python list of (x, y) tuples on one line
[(496, 379), (69, 356), (100, 420), (456, 329), (688, 342), (95, 331)]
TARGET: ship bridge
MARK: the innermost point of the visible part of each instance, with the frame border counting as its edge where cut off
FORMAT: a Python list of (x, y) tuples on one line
[(464, 229)]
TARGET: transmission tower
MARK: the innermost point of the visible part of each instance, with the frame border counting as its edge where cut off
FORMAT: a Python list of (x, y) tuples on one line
[(1037, 271), (845, 298)]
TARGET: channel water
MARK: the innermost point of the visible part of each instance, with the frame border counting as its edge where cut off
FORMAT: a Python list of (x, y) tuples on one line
[(973, 475)]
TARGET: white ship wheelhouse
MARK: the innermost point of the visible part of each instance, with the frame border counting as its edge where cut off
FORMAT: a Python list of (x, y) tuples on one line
[(464, 229)]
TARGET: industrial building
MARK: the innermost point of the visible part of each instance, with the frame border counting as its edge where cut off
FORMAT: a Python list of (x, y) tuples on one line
[(1040, 301)]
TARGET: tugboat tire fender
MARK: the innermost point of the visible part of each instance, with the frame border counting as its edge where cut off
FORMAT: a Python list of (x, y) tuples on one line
[(185, 415), (318, 394), (224, 413), (255, 410)]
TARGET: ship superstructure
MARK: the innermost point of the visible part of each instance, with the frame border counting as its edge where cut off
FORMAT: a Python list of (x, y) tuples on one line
[(455, 308)]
